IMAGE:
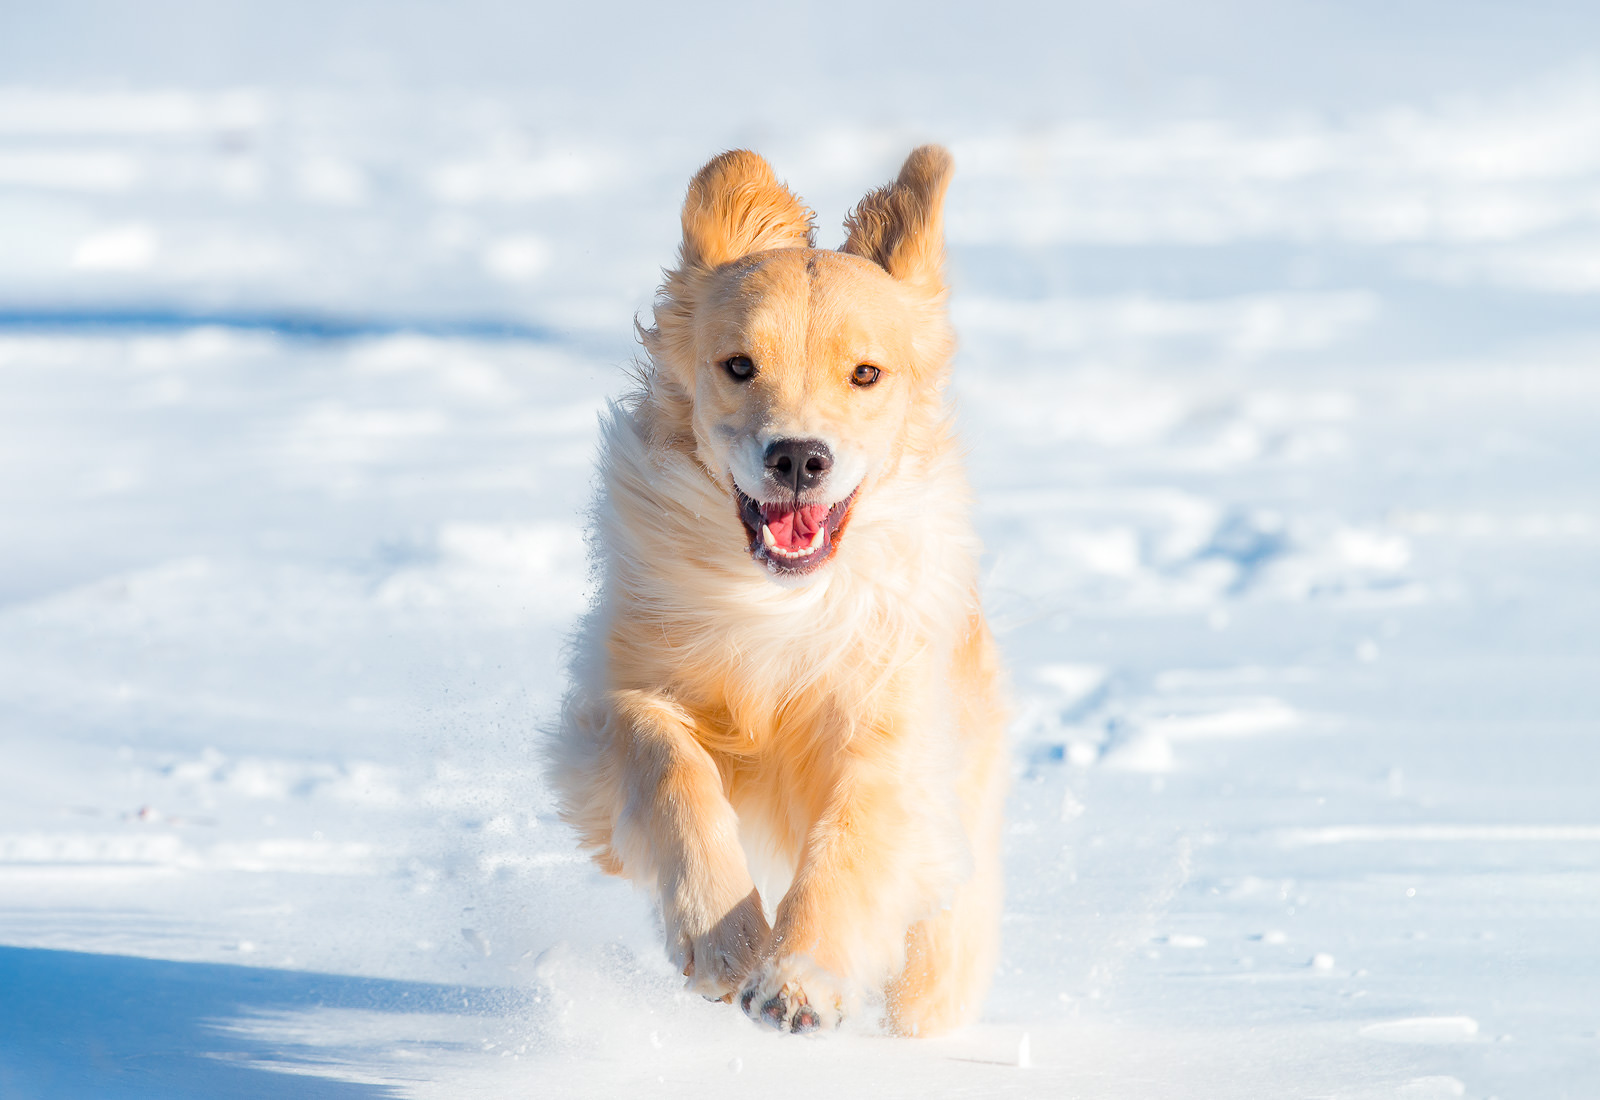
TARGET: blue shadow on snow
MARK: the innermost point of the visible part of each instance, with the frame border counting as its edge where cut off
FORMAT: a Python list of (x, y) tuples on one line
[(77, 1026), (289, 324)]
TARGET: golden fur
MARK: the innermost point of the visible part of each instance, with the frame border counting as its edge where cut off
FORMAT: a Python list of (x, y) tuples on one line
[(835, 735)]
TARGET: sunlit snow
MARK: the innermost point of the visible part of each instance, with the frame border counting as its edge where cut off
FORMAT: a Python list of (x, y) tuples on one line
[(1278, 375)]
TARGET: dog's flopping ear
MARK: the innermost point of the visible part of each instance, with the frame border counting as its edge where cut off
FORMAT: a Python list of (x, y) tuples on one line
[(901, 227), (736, 206)]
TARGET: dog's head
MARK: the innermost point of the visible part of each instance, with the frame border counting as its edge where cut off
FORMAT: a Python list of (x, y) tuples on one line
[(804, 377)]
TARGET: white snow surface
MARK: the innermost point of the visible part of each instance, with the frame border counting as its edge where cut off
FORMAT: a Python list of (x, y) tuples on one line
[(1279, 378)]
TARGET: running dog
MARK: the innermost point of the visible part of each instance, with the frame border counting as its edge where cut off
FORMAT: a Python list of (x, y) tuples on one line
[(786, 680)]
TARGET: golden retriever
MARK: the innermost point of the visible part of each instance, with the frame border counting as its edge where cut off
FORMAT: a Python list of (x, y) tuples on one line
[(786, 679)]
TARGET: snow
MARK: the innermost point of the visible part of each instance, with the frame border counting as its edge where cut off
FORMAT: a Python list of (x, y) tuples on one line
[(1280, 392)]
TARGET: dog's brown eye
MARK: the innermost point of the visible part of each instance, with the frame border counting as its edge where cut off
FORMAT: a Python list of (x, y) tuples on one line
[(865, 375), (740, 366)]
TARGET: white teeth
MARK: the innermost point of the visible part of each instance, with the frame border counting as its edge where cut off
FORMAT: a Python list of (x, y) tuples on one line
[(770, 541)]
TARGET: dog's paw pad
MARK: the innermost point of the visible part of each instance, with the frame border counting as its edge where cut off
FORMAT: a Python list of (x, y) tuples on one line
[(784, 1012), (793, 995), (788, 1008), (774, 1012)]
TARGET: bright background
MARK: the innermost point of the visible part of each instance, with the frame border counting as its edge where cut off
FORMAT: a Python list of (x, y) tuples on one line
[(1280, 325)]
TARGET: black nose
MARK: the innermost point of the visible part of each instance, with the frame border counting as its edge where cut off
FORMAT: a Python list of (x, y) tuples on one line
[(798, 464)]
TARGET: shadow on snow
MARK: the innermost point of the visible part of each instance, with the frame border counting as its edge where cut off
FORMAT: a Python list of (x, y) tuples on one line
[(110, 1027)]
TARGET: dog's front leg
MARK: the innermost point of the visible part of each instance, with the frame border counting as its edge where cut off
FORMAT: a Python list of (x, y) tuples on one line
[(674, 828), (862, 879)]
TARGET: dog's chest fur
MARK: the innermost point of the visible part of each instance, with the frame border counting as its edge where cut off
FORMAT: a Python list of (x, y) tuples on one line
[(759, 664)]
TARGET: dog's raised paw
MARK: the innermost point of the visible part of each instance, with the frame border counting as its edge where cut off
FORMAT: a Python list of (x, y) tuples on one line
[(716, 961)]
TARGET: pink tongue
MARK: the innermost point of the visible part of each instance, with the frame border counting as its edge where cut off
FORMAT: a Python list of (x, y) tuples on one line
[(794, 528)]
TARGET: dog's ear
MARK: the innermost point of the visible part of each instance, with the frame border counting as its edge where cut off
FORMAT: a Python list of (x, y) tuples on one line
[(736, 206), (901, 227)]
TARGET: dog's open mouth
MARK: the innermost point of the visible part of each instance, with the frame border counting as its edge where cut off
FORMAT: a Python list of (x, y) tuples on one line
[(792, 537)]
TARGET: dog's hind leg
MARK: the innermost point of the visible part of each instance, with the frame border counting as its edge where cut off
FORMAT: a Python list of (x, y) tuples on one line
[(650, 797), (950, 956)]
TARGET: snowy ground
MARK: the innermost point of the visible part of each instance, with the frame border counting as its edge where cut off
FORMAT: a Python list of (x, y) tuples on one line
[(1282, 417)]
